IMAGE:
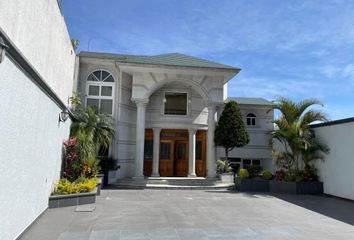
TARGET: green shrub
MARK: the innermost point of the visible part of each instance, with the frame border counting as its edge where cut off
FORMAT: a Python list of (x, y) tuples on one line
[(293, 175), (64, 186), (222, 168), (243, 173), (253, 170), (267, 175)]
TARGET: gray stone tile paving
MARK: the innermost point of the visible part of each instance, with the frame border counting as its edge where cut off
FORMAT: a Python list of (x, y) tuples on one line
[(198, 214)]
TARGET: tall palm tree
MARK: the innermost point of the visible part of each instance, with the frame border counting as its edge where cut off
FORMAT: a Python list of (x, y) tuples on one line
[(293, 127)]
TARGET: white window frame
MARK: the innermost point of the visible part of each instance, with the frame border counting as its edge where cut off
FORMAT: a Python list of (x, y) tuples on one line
[(101, 84), (175, 91)]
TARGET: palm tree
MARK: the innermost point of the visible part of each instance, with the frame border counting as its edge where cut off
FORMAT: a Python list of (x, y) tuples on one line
[(92, 130), (293, 128)]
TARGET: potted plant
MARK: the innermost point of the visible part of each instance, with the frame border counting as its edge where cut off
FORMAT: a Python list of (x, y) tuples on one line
[(107, 164), (224, 171)]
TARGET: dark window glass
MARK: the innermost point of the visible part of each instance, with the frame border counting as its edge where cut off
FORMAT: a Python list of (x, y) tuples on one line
[(181, 151), (165, 151), (109, 79), (104, 75), (251, 119), (256, 162), (246, 162), (97, 75), (175, 103), (198, 150), (106, 91), (93, 103), (106, 106), (92, 78), (148, 149)]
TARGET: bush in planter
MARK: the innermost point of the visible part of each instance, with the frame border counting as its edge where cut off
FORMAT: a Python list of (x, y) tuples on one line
[(64, 186), (280, 175), (222, 168), (107, 164), (267, 175), (243, 173), (293, 175), (253, 170)]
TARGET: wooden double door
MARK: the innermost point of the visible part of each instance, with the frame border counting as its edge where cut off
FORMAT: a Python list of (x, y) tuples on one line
[(174, 153), (173, 158)]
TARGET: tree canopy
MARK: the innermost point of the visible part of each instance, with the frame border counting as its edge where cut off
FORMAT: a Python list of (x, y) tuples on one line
[(230, 131)]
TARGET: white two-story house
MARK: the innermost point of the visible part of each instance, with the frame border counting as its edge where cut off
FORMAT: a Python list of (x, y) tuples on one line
[(165, 109)]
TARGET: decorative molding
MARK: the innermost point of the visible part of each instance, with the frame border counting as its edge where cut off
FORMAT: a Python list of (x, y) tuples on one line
[(153, 77)]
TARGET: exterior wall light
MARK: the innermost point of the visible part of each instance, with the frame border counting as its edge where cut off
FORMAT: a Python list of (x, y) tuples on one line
[(63, 116), (3, 48)]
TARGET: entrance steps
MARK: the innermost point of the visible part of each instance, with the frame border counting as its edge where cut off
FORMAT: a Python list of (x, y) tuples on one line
[(182, 183)]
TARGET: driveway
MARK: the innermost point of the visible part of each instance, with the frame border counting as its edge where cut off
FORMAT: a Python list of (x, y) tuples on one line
[(199, 214)]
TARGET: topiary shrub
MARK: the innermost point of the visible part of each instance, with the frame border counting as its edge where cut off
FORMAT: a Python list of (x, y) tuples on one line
[(267, 175), (253, 170), (243, 173)]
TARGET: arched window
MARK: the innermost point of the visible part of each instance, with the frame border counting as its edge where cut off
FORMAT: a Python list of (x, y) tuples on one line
[(251, 119), (100, 91)]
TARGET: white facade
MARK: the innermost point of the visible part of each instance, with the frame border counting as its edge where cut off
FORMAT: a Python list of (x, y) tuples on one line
[(336, 171), (258, 150), (138, 104), (31, 137)]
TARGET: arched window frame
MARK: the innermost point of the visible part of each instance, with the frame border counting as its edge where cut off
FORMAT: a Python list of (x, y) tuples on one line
[(99, 81), (251, 119)]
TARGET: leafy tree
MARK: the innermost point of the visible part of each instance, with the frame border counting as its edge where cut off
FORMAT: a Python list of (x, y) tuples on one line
[(230, 131), (294, 133)]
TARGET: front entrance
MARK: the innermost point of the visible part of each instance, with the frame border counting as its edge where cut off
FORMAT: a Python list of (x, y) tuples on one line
[(174, 153)]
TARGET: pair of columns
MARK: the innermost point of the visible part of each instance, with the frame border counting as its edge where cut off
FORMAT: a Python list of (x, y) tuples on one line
[(140, 141), (156, 152)]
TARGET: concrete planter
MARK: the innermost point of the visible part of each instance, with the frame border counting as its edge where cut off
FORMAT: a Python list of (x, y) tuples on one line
[(99, 183), (296, 187), (227, 177), (251, 185), (57, 201)]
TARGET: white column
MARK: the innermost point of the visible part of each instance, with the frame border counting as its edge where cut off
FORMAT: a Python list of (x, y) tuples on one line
[(140, 137), (191, 150), (156, 153), (211, 150)]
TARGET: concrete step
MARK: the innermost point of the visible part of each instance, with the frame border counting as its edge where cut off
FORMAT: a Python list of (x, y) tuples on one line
[(170, 183)]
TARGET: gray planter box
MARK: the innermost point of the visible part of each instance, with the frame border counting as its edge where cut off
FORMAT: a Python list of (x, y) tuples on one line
[(57, 201), (296, 187), (251, 185), (227, 177), (99, 183)]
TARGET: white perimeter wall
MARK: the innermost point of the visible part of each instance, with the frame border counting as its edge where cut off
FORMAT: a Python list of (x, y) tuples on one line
[(30, 136), (38, 29), (337, 170)]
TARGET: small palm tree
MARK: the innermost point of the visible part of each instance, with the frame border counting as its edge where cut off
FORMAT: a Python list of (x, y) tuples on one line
[(293, 129), (93, 130)]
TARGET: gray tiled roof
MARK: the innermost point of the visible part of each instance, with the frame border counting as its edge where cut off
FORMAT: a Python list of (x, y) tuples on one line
[(170, 59), (250, 101)]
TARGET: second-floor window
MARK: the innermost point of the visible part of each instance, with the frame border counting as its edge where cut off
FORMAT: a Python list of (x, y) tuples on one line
[(175, 103), (100, 91), (251, 119)]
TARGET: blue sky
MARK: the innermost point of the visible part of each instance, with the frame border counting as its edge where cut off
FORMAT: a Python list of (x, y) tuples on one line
[(297, 49)]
